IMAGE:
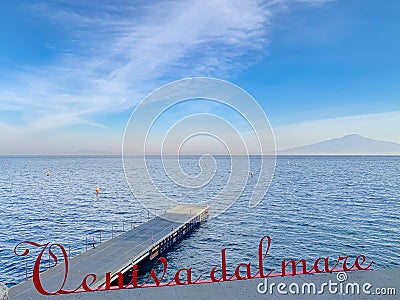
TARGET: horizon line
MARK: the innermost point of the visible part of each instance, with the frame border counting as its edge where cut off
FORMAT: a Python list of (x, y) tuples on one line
[(202, 154)]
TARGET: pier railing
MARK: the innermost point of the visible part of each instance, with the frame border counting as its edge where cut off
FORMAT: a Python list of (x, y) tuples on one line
[(99, 236)]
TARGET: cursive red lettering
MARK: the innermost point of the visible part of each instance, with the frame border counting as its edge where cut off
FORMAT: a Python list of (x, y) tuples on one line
[(344, 258), (248, 272), (36, 268), (153, 275), (85, 285), (358, 265), (262, 257), (284, 264), (326, 265), (188, 277), (212, 275), (184, 273), (120, 280)]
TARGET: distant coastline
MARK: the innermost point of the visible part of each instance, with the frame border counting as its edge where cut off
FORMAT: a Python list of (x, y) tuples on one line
[(353, 144), (194, 154), (349, 145)]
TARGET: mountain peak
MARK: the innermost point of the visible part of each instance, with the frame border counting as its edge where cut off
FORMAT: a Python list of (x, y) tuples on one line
[(352, 144), (354, 135)]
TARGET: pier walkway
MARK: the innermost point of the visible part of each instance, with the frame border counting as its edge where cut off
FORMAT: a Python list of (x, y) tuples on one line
[(119, 254)]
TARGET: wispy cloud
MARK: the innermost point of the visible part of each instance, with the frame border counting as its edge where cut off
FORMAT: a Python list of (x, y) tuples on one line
[(119, 51), (118, 55)]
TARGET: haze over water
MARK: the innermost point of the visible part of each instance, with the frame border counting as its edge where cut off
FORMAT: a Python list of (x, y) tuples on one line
[(315, 207)]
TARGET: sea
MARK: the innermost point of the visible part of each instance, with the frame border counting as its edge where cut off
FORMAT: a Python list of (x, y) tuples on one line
[(316, 206)]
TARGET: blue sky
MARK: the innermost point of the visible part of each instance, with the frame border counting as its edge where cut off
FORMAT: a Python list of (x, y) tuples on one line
[(71, 73)]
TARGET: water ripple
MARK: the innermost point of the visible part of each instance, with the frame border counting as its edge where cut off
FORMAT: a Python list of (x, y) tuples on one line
[(316, 206)]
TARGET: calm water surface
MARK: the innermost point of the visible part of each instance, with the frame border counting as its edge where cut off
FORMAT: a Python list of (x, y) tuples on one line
[(316, 206)]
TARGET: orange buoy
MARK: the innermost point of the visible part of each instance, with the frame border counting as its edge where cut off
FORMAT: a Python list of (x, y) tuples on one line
[(97, 191)]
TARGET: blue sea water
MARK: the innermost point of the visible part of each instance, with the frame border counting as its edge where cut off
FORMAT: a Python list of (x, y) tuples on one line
[(315, 207)]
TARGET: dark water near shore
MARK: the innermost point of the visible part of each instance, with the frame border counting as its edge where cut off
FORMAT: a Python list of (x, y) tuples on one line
[(315, 207)]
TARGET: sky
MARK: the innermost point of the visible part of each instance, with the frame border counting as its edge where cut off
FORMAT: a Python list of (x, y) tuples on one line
[(72, 72)]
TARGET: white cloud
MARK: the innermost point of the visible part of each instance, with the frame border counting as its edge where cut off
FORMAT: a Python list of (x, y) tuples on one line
[(117, 57), (119, 51)]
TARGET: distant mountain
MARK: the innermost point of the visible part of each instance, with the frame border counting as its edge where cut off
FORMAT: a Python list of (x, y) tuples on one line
[(91, 152), (349, 144)]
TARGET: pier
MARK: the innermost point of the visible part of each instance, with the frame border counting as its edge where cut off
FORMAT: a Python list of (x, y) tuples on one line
[(119, 254)]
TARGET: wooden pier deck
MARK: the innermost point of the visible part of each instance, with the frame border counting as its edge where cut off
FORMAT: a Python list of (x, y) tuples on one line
[(148, 240)]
